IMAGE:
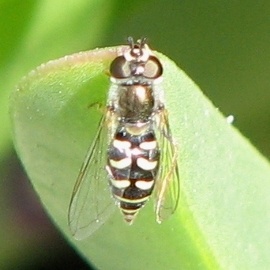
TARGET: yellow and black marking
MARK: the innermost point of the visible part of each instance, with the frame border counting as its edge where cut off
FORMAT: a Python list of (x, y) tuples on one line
[(133, 183)]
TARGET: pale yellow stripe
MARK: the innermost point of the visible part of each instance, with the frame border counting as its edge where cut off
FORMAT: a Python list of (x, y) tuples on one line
[(131, 200), (121, 164), (129, 211), (144, 185), (146, 164), (148, 145), (121, 144), (120, 183)]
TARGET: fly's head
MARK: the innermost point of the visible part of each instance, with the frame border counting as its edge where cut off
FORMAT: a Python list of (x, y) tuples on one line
[(136, 65)]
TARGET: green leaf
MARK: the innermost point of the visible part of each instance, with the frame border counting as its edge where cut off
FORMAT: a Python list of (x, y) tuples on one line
[(222, 221), (36, 31), (32, 32)]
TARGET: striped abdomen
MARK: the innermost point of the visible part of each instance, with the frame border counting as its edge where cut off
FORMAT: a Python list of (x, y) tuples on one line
[(133, 162)]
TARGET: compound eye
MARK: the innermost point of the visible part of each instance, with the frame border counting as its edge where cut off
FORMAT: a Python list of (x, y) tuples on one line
[(153, 68), (120, 68)]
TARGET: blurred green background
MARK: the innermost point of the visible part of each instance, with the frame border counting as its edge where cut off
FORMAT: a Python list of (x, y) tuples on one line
[(222, 45)]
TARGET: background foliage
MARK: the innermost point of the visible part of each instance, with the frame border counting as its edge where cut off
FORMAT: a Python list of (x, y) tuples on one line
[(223, 46)]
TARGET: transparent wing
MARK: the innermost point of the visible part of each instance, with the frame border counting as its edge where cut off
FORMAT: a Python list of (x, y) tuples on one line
[(91, 202), (167, 189)]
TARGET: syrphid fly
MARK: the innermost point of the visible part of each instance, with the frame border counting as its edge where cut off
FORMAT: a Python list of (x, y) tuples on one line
[(133, 155)]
